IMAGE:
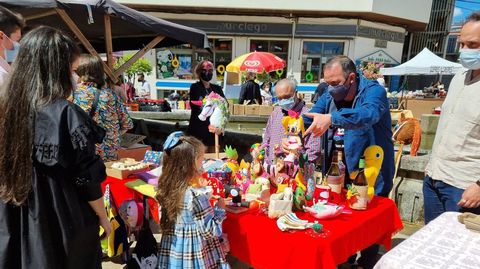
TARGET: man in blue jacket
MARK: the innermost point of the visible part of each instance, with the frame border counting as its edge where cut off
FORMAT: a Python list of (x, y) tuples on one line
[(354, 115)]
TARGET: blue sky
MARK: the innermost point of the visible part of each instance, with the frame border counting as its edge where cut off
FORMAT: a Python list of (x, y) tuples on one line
[(463, 8)]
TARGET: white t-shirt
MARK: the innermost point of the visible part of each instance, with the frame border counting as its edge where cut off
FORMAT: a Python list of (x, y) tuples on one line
[(145, 89)]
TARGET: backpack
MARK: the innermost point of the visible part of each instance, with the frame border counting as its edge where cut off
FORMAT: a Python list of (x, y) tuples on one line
[(145, 253)]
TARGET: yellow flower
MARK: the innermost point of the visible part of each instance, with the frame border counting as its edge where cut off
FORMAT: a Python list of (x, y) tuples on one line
[(349, 194)]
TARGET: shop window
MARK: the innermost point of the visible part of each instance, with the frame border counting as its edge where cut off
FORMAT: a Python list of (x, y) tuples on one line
[(179, 62), (277, 47), (314, 55)]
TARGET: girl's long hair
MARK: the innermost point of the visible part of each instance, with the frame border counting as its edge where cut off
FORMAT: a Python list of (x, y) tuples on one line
[(179, 169), (41, 75)]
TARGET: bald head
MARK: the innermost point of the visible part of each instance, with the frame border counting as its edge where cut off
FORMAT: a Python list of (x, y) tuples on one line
[(285, 88)]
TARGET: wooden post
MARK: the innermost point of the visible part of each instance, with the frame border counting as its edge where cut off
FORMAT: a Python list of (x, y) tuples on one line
[(108, 40), (217, 147), (66, 18), (40, 15), (138, 55)]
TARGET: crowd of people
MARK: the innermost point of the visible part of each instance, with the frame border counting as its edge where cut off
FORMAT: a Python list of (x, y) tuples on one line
[(61, 120)]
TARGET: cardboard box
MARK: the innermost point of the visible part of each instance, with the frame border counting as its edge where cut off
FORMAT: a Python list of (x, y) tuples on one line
[(252, 110), (265, 110), (230, 106), (120, 174), (233, 78), (213, 156), (136, 151), (238, 109)]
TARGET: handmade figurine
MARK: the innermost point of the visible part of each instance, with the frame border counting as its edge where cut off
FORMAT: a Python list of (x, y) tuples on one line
[(232, 157), (406, 132), (323, 210), (256, 189), (299, 198), (294, 129), (258, 155), (215, 107), (278, 165), (373, 163), (242, 179), (215, 184)]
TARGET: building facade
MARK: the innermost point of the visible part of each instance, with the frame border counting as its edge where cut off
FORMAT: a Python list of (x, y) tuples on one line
[(303, 33)]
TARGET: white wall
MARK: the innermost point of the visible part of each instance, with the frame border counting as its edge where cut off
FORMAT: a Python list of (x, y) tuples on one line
[(365, 46), (415, 10)]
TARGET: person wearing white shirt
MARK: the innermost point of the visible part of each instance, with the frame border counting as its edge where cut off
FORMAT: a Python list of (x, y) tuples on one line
[(144, 90), (453, 171)]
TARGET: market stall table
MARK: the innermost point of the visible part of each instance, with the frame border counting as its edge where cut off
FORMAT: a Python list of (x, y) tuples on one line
[(121, 193), (256, 240), (443, 243)]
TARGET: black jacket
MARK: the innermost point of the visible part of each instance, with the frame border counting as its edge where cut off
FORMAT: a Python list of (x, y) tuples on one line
[(250, 92)]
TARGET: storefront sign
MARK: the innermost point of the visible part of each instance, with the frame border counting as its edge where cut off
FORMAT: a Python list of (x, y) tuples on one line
[(239, 28), (380, 34), (379, 56)]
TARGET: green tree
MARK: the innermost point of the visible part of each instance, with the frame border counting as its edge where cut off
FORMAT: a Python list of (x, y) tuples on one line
[(142, 65)]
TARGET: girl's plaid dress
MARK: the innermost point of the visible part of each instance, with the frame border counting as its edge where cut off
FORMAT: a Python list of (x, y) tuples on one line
[(194, 241)]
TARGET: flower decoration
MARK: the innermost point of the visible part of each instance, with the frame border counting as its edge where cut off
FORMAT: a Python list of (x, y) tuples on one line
[(351, 192), (371, 70)]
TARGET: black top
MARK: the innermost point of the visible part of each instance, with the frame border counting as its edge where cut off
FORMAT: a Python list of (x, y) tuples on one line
[(56, 227), (196, 127), (250, 91)]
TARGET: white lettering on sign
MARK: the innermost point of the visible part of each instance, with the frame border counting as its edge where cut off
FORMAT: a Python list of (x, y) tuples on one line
[(251, 63), (243, 27)]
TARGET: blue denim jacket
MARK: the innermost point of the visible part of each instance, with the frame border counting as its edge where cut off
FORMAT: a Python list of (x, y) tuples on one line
[(367, 123)]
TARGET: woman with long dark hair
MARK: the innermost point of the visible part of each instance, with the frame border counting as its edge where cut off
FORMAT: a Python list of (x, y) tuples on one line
[(51, 202)]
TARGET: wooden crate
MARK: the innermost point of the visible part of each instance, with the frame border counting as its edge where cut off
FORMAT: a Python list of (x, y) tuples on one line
[(252, 110), (265, 110), (238, 109)]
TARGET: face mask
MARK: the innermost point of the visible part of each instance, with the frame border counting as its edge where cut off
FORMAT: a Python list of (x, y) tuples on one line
[(206, 76), (11, 54), (287, 104), (470, 58)]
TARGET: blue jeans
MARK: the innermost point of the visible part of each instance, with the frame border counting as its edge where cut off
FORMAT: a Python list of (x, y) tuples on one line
[(440, 197)]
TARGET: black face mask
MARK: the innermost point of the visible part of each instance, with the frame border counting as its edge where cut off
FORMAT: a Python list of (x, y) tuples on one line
[(206, 76)]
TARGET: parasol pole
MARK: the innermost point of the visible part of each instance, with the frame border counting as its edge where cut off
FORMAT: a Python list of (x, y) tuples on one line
[(217, 147)]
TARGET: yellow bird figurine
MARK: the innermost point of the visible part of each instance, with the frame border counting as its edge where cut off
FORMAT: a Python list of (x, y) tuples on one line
[(373, 164)]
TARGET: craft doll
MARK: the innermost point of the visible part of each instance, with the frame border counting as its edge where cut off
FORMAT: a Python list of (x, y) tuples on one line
[(294, 129)]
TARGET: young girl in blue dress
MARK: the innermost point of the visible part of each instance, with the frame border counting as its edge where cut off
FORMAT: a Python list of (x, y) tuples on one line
[(191, 228)]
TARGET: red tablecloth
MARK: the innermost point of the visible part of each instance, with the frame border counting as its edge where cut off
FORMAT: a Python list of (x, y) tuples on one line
[(121, 193), (256, 240)]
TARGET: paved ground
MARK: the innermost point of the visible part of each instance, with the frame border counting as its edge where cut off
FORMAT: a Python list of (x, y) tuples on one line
[(409, 229)]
